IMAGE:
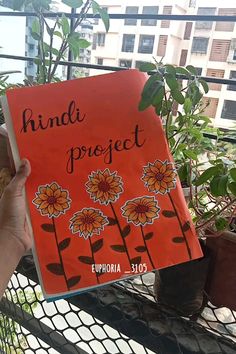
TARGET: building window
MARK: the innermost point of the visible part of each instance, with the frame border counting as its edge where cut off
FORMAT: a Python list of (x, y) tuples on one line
[(188, 30), (100, 61), (229, 110), (225, 26), (211, 109), (128, 43), (199, 71), (161, 49), (234, 54), (31, 46), (138, 63), (205, 11), (123, 63), (131, 10), (200, 45), (215, 73), (101, 39), (192, 3), (96, 21), (232, 75), (167, 10), (30, 64), (146, 44), (94, 45), (183, 57), (149, 10), (220, 50)]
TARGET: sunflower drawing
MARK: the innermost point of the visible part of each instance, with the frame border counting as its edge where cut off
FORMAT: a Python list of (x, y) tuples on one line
[(141, 211), (104, 186), (51, 200), (159, 177), (87, 222)]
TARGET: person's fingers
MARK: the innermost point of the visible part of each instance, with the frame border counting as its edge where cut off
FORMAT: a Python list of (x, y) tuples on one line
[(18, 182)]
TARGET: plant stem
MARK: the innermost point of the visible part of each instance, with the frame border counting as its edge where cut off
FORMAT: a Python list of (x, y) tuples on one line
[(214, 216), (64, 44), (120, 230), (59, 252), (145, 243), (180, 224), (41, 49), (90, 242)]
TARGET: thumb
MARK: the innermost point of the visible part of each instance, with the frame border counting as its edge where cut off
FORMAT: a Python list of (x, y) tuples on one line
[(18, 182)]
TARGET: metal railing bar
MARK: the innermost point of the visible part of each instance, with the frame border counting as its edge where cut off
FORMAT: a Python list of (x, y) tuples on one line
[(114, 68), (39, 329), (207, 18)]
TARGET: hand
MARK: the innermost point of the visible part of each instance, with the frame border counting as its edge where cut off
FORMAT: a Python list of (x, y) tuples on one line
[(13, 210)]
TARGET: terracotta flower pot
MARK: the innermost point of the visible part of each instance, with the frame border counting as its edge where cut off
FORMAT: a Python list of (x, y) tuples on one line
[(221, 282)]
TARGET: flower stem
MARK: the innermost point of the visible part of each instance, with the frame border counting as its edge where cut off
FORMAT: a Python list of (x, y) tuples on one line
[(180, 224), (59, 252), (90, 242), (145, 243), (120, 230)]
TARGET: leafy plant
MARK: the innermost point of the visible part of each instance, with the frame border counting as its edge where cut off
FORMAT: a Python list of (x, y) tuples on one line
[(176, 94), (67, 33), (179, 104), (12, 341)]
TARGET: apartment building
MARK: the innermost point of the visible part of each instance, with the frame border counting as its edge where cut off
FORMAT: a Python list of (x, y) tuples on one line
[(209, 46)]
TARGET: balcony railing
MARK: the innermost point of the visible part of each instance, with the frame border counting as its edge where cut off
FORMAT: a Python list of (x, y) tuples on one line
[(120, 318)]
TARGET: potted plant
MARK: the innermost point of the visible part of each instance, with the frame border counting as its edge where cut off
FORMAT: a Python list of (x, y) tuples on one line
[(176, 94), (214, 210)]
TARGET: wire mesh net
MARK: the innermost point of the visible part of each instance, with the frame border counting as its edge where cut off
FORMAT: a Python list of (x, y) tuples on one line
[(122, 318)]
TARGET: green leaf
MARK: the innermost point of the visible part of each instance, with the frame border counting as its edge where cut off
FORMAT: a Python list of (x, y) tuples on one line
[(65, 25), (172, 82), (205, 119), (151, 83), (83, 43), (35, 30), (191, 69), (144, 104), (105, 18), (170, 70), (232, 187), (233, 173), (218, 185), (178, 97), (187, 105), (55, 51), (58, 34), (182, 71), (221, 224), (73, 3), (208, 174), (95, 7), (158, 97), (190, 154), (103, 13), (145, 67), (204, 85)]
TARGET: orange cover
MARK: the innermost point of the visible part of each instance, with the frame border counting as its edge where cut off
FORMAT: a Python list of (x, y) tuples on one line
[(104, 198)]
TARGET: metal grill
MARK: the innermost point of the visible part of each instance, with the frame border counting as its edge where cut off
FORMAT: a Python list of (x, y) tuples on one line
[(122, 318)]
